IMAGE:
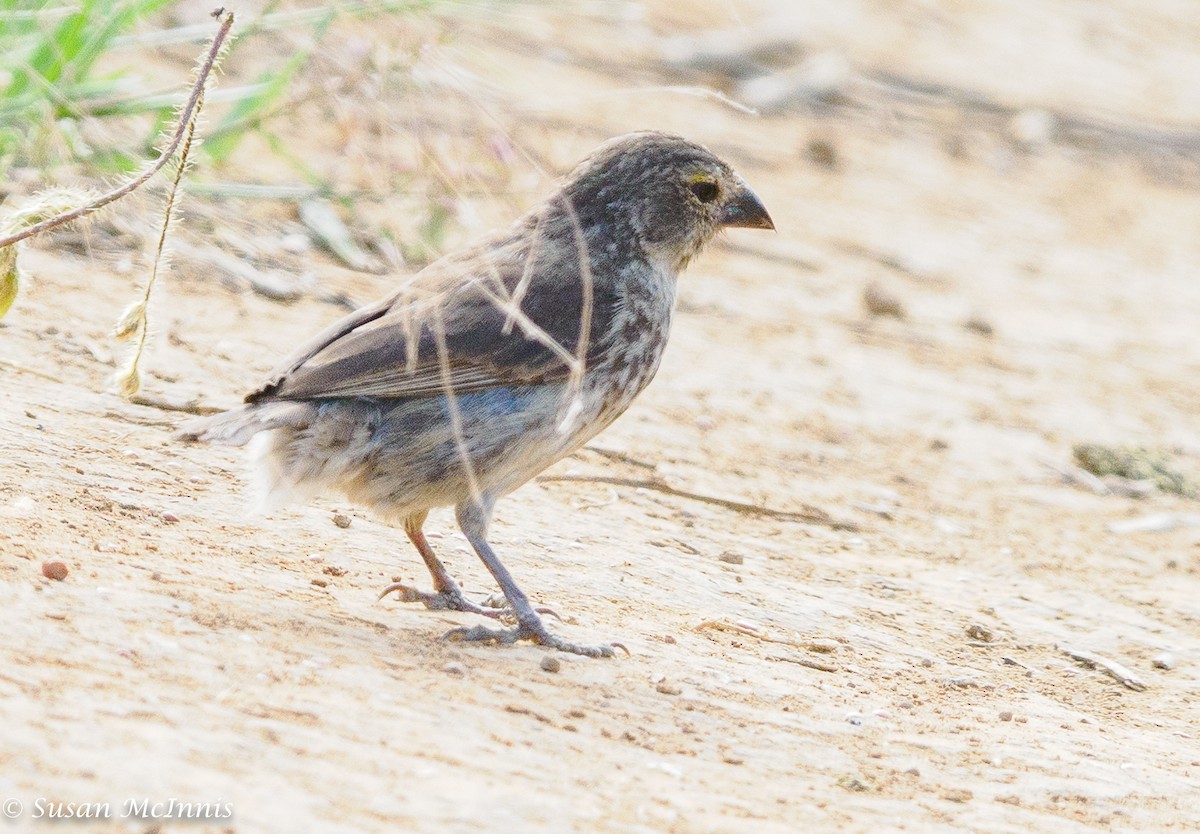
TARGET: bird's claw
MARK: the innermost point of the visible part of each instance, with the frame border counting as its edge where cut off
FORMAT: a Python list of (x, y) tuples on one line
[(453, 599), (538, 633), (498, 601)]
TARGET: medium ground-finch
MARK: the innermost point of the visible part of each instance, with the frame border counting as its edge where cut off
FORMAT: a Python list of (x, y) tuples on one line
[(496, 361)]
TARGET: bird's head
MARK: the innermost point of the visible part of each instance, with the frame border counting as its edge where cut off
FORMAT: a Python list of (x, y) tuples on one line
[(662, 194)]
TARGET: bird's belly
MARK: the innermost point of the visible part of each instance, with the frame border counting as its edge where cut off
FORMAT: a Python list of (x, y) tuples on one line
[(399, 457), (426, 453)]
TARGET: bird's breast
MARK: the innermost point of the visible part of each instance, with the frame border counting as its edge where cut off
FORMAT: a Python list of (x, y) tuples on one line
[(633, 342)]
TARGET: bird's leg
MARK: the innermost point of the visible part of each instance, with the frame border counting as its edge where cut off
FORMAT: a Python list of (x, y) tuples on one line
[(447, 595), (473, 518)]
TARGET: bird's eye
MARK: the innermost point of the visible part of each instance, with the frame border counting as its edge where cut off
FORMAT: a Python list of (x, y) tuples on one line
[(705, 190)]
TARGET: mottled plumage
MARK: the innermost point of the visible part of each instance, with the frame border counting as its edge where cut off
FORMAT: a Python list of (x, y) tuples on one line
[(494, 362)]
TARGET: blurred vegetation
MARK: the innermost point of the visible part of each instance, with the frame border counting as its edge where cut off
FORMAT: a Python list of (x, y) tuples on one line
[(48, 73), (1136, 463), (53, 75), (89, 89)]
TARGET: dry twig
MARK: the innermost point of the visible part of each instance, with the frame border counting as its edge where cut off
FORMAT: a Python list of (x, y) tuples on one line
[(19, 368), (1110, 667), (810, 515), (1075, 475), (756, 631), (167, 404), (819, 665), (613, 454)]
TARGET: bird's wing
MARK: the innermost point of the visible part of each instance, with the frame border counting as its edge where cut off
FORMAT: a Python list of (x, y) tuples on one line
[(453, 328)]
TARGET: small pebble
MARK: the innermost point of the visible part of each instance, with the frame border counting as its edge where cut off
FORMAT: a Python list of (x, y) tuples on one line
[(854, 719), (668, 688), (341, 520), (1006, 715), (958, 795), (1166, 660), (1033, 128), (980, 325), (880, 302), (731, 558), (981, 633), (456, 670), (550, 663), (858, 784), (926, 662), (823, 153), (55, 570), (295, 243), (320, 583), (169, 517)]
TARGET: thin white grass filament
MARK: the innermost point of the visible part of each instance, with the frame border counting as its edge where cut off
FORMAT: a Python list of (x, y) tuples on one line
[(456, 423), (522, 286), (683, 90), (573, 405)]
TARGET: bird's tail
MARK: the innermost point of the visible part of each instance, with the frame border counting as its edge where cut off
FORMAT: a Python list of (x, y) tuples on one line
[(237, 426), (270, 429)]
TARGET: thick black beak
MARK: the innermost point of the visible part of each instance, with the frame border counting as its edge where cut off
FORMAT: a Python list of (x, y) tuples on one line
[(744, 210)]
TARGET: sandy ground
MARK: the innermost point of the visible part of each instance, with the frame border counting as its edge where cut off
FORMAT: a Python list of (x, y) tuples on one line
[(907, 670)]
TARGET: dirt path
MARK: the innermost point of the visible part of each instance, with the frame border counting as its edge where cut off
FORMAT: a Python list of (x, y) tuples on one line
[(908, 674)]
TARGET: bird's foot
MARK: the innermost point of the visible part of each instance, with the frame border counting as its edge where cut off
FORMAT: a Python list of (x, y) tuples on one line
[(533, 630), (453, 599)]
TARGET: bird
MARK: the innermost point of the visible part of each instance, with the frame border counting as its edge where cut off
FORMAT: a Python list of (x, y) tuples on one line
[(494, 362)]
